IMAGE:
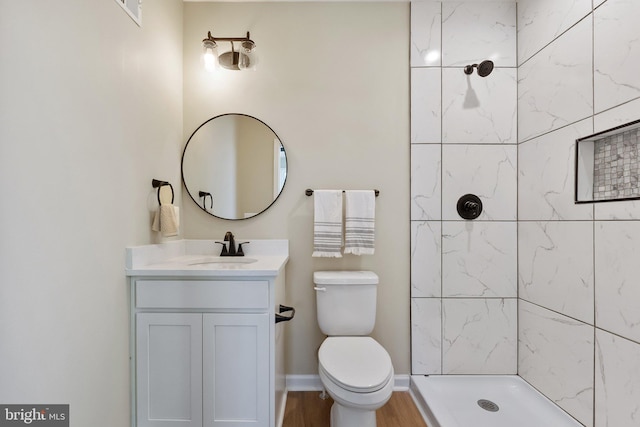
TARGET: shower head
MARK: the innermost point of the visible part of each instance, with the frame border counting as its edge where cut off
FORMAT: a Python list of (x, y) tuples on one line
[(484, 68)]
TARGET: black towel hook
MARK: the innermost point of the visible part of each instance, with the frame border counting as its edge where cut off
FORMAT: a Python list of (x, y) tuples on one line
[(156, 183), (205, 194)]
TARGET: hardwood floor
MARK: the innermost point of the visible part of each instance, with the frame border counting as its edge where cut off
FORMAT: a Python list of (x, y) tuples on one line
[(306, 409)]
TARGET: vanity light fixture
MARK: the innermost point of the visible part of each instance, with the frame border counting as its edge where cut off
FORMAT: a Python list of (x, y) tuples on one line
[(242, 59)]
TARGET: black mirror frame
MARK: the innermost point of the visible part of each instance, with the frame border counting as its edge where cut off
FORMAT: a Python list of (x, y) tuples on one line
[(184, 184)]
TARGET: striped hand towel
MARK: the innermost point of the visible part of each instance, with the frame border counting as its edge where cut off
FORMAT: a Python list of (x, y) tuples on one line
[(359, 222), (327, 223)]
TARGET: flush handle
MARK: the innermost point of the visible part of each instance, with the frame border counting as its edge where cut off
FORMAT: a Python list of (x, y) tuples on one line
[(320, 289)]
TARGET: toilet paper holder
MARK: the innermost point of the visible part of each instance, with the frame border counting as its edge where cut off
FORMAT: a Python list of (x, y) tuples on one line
[(285, 309)]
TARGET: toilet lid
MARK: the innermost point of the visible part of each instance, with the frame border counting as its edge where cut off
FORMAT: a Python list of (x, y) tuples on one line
[(358, 364)]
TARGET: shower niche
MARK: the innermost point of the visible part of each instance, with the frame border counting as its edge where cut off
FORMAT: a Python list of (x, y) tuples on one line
[(607, 165)]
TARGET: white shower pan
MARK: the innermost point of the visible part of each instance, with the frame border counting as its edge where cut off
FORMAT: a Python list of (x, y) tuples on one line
[(485, 401)]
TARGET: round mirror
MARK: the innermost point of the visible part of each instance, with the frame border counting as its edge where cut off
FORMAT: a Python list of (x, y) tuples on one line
[(234, 166)]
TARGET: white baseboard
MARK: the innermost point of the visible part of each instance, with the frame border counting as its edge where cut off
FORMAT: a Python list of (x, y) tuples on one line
[(283, 406), (303, 383), (313, 383), (401, 383)]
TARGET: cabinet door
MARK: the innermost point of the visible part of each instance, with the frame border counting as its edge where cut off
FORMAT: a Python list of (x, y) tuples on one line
[(236, 370), (169, 369)]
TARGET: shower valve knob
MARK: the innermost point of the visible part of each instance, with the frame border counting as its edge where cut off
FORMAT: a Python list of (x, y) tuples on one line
[(469, 206)]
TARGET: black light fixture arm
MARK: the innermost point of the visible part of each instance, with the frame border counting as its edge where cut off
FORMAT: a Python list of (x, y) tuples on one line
[(228, 39)]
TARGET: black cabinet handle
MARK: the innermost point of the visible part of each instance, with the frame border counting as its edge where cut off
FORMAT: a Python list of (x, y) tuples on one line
[(284, 309)]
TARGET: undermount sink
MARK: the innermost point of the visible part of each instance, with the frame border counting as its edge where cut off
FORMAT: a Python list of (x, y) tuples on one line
[(222, 260)]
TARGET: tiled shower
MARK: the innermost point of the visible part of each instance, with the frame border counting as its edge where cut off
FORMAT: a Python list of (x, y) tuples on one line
[(463, 140), (537, 285)]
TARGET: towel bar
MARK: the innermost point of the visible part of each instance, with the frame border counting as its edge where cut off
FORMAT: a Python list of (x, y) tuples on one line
[(309, 192)]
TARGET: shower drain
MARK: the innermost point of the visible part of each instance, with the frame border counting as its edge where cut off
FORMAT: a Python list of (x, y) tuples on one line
[(488, 405)]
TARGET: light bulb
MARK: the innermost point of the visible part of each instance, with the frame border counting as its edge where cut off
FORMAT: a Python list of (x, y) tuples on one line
[(247, 55), (209, 61), (210, 55)]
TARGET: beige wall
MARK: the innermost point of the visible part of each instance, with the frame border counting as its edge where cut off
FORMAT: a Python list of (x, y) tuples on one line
[(255, 166), (333, 83), (90, 112)]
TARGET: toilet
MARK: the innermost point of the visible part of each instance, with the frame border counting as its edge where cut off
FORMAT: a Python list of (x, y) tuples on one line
[(354, 368)]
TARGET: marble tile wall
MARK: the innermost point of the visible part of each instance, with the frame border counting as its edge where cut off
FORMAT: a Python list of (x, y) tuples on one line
[(555, 266), (617, 268), (579, 298), (479, 335), (546, 175), (479, 259), (463, 140), (542, 21), (555, 85), (489, 171), (536, 271), (472, 31), (556, 355), (616, 381), (483, 105), (616, 53)]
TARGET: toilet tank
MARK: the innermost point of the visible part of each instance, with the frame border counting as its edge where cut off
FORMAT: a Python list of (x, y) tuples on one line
[(346, 302)]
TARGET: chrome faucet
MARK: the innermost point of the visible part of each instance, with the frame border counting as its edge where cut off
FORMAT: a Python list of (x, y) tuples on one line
[(231, 250)]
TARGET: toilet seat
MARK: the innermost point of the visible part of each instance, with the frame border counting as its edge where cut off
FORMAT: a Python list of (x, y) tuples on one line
[(357, 364)]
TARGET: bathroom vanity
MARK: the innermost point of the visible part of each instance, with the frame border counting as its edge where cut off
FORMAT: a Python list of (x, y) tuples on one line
[(205, 346)]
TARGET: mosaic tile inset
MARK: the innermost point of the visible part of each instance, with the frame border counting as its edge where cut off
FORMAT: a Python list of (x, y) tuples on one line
[(616, 173)]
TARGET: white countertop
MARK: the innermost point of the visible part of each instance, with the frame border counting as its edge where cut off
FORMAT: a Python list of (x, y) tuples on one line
[(181, 258)]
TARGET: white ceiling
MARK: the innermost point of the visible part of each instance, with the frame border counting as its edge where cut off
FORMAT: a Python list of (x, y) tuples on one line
[(402, 1)]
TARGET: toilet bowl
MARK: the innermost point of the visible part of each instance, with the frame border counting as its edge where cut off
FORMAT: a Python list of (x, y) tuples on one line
[(354, 368), (358, 374)]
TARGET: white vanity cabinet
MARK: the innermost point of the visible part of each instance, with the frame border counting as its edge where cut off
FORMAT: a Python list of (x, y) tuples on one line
[(236, 369), (205, 348), (202, 367), (168, 369)]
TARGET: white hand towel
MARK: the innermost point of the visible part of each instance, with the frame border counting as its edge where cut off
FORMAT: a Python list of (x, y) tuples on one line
[(360, 212), (327, 223), (166, 220)]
